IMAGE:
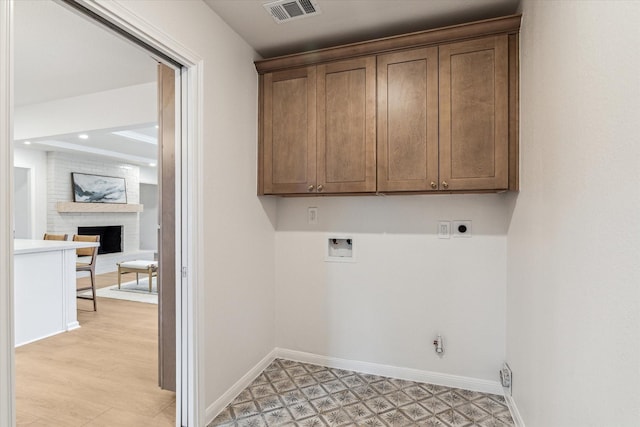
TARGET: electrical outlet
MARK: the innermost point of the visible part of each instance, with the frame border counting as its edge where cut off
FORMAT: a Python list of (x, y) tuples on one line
[(506, 378), (444, 229), (312, 215), (462, 228)]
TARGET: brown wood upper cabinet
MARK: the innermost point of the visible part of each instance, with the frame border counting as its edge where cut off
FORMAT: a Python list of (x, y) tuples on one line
[(346, 127), (289, 134), (434, 111), (408, 120), (319, 129), (443, 117), (474, 119)]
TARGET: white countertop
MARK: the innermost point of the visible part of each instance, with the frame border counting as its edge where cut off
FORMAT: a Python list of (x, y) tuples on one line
[(28, 246)]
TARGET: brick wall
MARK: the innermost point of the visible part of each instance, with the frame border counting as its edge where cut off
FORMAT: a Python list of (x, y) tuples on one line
[(59, 189)]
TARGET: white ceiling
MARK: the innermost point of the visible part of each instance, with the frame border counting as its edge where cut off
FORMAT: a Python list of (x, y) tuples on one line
[(60, 54), (349, 21)]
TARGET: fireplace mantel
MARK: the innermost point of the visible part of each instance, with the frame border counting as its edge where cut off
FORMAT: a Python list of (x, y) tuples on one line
[(73, 207)]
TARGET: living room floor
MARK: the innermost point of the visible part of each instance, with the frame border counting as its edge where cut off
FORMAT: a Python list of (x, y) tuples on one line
[(103, 374)]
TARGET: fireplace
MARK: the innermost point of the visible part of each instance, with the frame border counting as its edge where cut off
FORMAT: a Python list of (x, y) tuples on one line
[(110, 237)]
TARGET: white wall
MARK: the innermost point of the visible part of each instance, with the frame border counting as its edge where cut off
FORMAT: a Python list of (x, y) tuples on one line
[(406, 286), (238, 231), (36, 161), (573, 318), (22, 227), (148, 175)]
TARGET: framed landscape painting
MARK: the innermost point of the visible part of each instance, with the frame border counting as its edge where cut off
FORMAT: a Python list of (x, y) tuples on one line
[(89, 188)]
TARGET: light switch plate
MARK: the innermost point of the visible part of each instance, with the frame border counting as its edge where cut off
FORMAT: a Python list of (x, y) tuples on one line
[(312, 215), (444, 229)]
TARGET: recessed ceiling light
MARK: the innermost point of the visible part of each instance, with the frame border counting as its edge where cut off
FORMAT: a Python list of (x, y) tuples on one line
[(27, 143), (157, 127), (153, 165), (83, 136)]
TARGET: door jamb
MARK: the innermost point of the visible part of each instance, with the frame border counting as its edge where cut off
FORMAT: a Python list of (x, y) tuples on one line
[(7, 366)]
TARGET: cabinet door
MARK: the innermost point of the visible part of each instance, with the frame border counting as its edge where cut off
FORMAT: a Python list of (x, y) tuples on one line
[(289, 132), (474, 114), (346, 126), (408, 120)]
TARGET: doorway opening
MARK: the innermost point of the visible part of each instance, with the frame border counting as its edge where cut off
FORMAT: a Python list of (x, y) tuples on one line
[(189, 307), (99, 146)]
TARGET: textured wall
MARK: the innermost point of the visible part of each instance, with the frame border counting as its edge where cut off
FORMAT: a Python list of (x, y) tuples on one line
[(573, 305)]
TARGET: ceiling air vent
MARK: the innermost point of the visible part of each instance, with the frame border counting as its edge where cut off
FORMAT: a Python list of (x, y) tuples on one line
[(288, 10)]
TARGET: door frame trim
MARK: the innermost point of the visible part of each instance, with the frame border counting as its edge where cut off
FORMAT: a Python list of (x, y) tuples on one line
[(7, 365), (189, 309)]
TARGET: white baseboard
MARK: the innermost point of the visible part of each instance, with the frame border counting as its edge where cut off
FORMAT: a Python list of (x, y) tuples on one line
[(447, 380), (40, 338), (409, 374), (515, 414), (73, 325), (216, 407)]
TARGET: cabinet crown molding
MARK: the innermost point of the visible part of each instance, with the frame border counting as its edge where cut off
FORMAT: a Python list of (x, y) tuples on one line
[(503, 25)]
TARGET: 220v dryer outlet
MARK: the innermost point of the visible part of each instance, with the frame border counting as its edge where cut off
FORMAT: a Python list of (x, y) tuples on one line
[(462, 228)]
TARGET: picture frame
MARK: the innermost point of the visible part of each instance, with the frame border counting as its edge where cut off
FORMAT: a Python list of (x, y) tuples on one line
[(90, 188)]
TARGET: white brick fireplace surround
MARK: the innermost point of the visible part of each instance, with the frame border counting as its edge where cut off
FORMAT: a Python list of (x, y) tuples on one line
[(59, 189)]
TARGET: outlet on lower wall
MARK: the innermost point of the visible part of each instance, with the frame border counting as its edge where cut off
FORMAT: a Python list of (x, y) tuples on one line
[(506, 378)]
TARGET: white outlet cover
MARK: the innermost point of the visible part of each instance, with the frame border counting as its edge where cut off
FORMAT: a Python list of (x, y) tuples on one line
[(444, 229), (462, 228), (312, 215)]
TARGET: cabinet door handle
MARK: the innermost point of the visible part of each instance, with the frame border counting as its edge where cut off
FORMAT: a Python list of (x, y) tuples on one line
[(310, 188), (320, 188), (445, 184), (434, 185)]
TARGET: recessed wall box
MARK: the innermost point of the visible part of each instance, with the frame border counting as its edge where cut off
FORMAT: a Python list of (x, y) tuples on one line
[(340, 249)]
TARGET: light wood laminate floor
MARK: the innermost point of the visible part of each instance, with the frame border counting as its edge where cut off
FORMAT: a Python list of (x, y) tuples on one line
[(103, 374)]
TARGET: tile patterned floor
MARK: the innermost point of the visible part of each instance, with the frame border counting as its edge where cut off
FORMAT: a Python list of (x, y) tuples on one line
[(291, 393)]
